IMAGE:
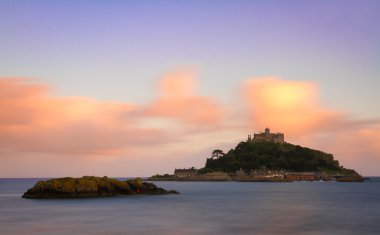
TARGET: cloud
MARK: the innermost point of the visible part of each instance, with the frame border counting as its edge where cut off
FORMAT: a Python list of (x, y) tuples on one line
[(292, 107), (178, 122), (33, 121), (287, 106), (177, 99)]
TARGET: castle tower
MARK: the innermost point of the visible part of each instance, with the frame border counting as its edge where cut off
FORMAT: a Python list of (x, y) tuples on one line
[(268, 137)]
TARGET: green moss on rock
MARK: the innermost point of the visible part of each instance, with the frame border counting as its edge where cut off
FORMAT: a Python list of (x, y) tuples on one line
[(91, 186)]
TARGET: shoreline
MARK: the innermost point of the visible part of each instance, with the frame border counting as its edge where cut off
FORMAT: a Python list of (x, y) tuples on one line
[(270, 180)]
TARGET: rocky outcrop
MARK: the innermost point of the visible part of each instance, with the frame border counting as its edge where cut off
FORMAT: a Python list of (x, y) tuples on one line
[(91, 186), (354, 178)]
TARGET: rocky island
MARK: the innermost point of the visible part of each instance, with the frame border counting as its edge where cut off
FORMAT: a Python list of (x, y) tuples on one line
[(266, 157), (91, 186)]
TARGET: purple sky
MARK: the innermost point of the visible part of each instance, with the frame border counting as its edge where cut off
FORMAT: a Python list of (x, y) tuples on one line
[(119, 50)]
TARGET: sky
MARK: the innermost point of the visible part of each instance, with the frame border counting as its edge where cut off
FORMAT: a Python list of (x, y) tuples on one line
[(135, 88)]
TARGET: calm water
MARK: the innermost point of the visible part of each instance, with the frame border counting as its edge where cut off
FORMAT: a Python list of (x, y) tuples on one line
[(201, 208)]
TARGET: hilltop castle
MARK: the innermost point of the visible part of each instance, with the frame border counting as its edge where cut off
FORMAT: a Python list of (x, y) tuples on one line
[(267, 137)]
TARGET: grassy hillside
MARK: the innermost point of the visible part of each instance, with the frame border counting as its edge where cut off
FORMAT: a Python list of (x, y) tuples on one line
[(289, 157)]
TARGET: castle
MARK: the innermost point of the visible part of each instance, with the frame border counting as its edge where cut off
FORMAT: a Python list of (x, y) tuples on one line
[(267, 137), (185, 173)]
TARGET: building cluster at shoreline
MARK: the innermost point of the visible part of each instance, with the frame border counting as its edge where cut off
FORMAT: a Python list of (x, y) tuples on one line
[(192, 174)]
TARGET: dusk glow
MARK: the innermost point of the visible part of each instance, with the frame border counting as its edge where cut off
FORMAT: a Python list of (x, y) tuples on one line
[(135, 88)]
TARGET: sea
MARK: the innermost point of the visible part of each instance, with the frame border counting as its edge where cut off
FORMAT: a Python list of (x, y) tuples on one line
[(200, 208)]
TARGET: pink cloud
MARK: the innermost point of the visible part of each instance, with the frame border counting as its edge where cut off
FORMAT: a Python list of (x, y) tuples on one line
[(177, 99), (292, 107), (33, 121), (177, 124), (287, 106)]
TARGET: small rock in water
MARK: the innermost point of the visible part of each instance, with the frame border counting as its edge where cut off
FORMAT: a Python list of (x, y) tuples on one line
[(91, 186)]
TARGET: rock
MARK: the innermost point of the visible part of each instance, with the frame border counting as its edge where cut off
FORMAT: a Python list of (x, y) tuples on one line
[(173, 192), (150, 188), (91, 186), (354, 178)]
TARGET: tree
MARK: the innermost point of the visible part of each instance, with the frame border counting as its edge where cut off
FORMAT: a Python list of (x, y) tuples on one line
[(250, 155), (217, 154)]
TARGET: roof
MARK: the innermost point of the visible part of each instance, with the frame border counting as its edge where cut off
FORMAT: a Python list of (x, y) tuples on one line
[(304, 173), (185, 170)]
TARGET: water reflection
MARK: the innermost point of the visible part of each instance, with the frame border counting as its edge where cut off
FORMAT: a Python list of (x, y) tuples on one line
[(201, 208)]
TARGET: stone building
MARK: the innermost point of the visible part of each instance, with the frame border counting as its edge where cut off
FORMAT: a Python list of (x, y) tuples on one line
[(267, 137), (268, 173), (185, 173), (240, 173), (304, 176)]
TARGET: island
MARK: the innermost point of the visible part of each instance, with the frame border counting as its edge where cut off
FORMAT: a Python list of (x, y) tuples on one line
[(266, 157), (91, 186)]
